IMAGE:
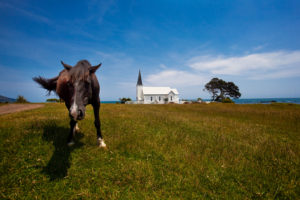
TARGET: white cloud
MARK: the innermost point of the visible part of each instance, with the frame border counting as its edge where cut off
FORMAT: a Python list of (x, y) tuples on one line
[(175, 78), (199, 70), (270, 65)]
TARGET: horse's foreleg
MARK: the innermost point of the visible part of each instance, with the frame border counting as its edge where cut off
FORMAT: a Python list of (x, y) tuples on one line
[(76, 127), (72, 132), (97, 123)]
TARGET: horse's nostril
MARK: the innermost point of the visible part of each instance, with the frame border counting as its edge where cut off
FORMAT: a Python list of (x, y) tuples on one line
[(80, 113)]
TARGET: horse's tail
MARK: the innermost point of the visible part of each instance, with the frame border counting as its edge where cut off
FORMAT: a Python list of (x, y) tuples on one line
[(48, 84)]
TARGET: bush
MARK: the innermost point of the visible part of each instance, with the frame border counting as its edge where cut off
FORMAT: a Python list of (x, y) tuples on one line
[(199, 99), (52, 100), (21, 99), (227, 100), (124, 99)]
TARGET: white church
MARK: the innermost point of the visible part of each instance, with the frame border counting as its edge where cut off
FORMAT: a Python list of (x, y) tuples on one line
[(155, 95)]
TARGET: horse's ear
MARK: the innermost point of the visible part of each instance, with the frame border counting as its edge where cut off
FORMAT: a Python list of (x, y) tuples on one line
[(93, 69), (66, 66)]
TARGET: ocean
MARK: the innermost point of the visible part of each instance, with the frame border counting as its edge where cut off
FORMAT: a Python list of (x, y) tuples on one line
[(267, 100), (247, 101), (113, 102)]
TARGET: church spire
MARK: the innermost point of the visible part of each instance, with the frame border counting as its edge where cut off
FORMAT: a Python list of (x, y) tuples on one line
[(139, 81)]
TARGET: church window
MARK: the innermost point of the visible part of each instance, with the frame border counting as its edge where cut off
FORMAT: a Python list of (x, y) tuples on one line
[(159, 98), (151, 98), (171, 98)]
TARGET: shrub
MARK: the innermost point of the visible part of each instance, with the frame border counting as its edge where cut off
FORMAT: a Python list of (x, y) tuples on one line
[(199, 99), (52, 100), (227, 100), (124, 99), (21, 99)]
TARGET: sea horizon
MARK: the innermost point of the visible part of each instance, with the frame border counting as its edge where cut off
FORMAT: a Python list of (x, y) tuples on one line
[(237, 101), (242, 101)]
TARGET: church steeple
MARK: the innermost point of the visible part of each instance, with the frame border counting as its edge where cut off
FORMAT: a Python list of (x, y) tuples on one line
[(139, 81), (139, 89)]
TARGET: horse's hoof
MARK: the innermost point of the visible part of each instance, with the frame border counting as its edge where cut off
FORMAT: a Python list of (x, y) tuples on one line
[(101, 143), (71, 143)]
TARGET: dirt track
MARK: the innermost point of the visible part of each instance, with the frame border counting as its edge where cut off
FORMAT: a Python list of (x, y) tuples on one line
[(11, 108)]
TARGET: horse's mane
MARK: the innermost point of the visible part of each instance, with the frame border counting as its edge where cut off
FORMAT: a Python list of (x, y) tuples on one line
[(80, 71)]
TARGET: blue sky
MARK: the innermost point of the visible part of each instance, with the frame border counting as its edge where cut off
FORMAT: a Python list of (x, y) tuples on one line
[(181, 44)]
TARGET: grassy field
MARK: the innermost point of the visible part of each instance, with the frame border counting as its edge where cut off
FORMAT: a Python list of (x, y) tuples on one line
[(215, 151)]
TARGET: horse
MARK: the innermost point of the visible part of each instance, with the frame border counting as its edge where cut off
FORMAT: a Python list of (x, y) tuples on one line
[(78, 86)]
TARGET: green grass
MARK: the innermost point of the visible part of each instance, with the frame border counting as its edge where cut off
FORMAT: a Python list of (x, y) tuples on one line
[(215, 151)]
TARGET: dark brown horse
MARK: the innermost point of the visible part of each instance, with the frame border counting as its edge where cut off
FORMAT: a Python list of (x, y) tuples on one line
[(77, 86)]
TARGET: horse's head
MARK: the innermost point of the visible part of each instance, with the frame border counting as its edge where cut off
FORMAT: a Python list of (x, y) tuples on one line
[(79, 86)]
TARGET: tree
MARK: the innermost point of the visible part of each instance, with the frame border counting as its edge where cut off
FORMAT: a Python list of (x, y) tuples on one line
[(221, 89), (21, 99), (124, 99)]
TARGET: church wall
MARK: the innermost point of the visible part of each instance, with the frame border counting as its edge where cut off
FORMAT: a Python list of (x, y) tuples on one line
[(156, 99), (173, 98)]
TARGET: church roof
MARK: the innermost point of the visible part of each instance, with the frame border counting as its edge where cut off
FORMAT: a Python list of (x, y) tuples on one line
[(158, 90), (174, 91), (139, 82)]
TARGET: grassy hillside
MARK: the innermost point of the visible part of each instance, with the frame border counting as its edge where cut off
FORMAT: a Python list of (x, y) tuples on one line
[(154, 152)]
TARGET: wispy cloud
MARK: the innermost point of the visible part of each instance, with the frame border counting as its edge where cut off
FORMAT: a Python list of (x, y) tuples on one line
[(99, 8), (117, 60), (279, 64), (259, 47), (163, 66), (26, 13)]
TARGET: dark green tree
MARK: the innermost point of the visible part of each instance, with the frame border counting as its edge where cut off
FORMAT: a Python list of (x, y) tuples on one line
[(124, 99), (221, 89)]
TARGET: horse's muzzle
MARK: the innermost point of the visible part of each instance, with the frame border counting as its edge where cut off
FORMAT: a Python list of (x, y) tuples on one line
[(77, 115)]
